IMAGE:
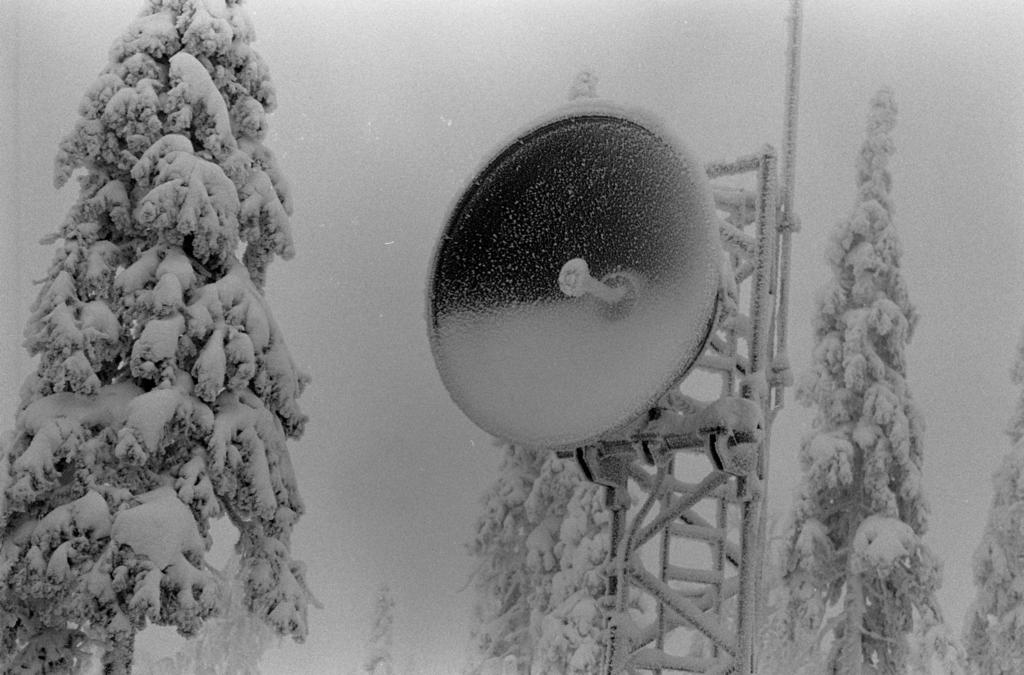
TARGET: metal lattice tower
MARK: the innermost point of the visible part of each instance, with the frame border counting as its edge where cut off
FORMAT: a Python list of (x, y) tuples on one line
[(705, 615), (721, 513), (685, 478)]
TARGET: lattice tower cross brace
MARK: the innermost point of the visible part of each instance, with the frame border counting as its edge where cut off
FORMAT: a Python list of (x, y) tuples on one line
[(764, 260), (737, 450)]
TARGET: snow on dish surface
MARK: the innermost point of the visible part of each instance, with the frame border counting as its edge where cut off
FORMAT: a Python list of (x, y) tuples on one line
[(523, 358)]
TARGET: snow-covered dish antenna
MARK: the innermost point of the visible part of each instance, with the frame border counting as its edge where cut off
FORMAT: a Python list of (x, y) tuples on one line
[(576, 279)]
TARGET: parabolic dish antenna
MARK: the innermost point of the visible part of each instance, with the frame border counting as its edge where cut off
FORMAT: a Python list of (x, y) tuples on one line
[(576, 279)]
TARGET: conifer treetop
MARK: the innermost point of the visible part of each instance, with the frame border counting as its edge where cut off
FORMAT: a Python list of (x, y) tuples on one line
[(857, 567), (164, 394)]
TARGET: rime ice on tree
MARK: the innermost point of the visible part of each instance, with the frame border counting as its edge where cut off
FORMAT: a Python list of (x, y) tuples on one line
[(994, 626), (378, 659), (857, 567), (164, 393), (231, 643), (542, 545), (503, 581), (572, 630)]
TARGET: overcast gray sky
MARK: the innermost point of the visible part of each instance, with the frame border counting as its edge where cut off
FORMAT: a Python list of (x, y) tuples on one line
[(387, 108)]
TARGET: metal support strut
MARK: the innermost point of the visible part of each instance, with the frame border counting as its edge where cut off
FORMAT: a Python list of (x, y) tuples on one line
[(684, 562)]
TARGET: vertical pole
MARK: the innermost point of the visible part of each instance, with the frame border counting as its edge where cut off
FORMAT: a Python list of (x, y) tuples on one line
[(722, 505), (755, 390), (747, 601), (718, 551), (664, 554), (786, 225), (792, 94), (615, 589), (767, 184), (788, 222)]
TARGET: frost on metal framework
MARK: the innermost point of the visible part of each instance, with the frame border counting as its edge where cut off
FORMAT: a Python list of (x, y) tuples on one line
[(164, 394)]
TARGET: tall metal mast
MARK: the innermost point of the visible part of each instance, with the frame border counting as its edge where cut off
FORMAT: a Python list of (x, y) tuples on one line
[(593, 233), (707, 617)]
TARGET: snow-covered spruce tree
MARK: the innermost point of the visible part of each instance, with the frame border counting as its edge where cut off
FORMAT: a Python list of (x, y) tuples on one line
[(776, 653), (164, 393), (568, 551), (503, 583), (231, 643), (857, 569), (994, 626), (378, 657), (542, 543)]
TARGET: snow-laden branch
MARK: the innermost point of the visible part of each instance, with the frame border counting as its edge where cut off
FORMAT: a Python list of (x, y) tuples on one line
[(164, 393)]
